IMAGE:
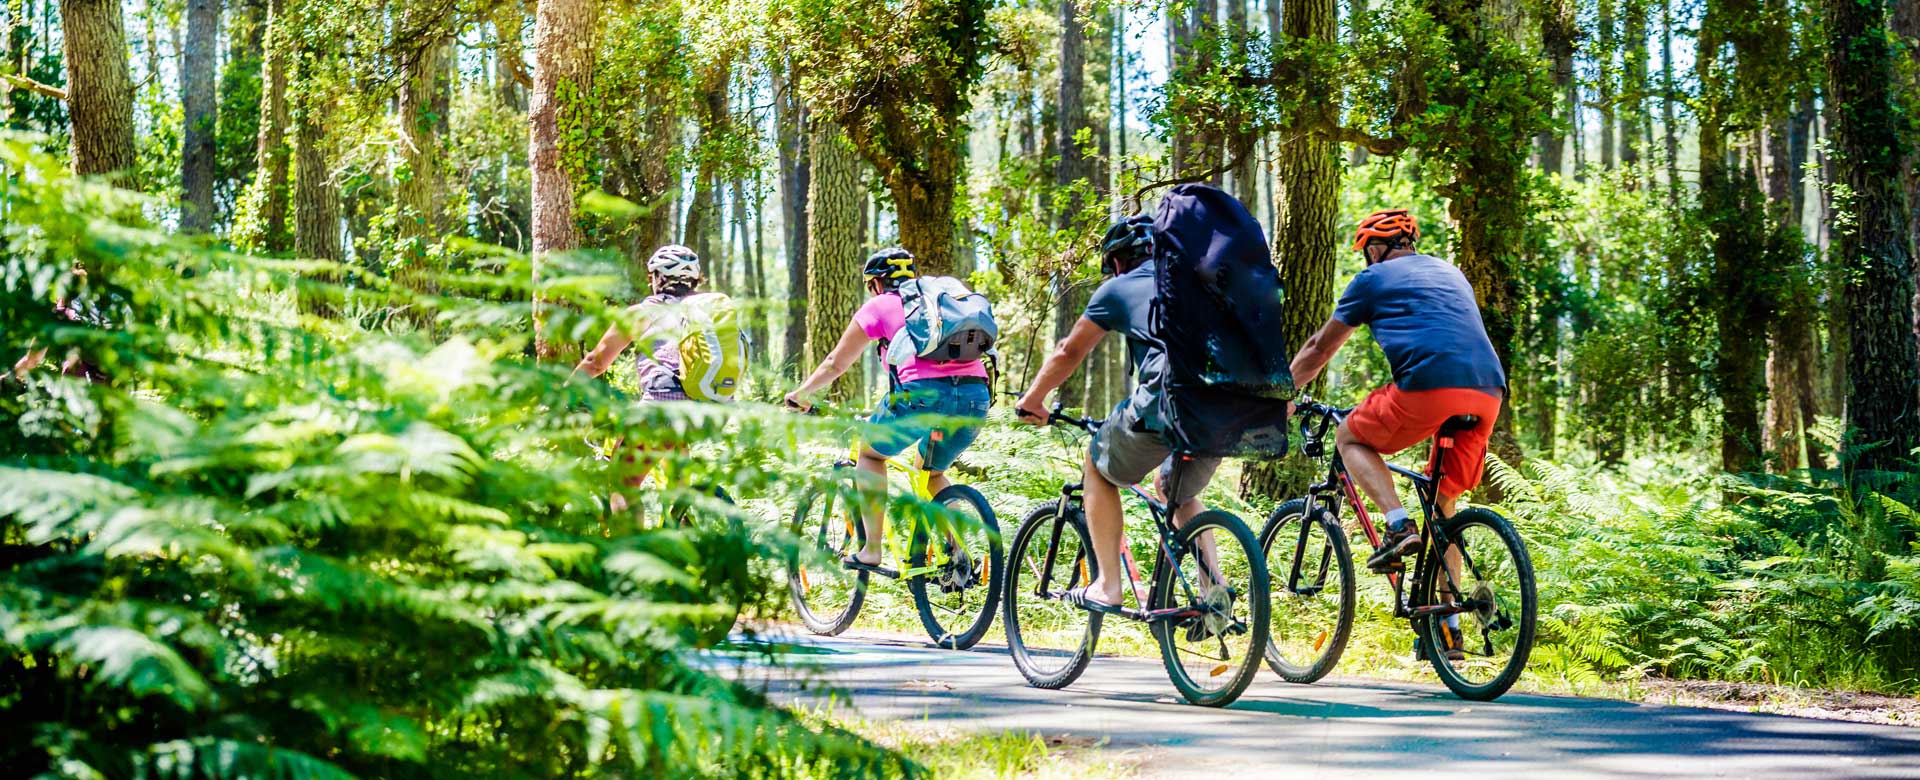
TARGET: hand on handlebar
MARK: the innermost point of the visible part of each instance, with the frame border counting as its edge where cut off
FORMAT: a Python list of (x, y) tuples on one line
[(795, 403), (1031, 411)]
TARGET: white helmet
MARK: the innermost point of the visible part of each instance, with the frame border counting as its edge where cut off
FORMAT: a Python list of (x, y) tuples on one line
[(674, 261)]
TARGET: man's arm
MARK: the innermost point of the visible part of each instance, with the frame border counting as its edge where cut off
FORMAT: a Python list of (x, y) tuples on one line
[(611, 345), (1320, 348), (1066, 358)]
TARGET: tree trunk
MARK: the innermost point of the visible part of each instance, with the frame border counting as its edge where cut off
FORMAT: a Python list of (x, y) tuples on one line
[(1246, 175), (99, 87), (1605, 44), (923, 207), (1668, 124), (1305, 237), (1874, 248), (833, 267), (1633, 82), (1073, 179), (272, 155), (316, 199), (509, 60), (1730, 209), (1558, 29), (562, 79), (417, 182), (1906, 26), (790, 130), (200, 103), (703, 214)]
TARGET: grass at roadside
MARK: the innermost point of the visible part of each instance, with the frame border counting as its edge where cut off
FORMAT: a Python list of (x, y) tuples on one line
[(949, 754)]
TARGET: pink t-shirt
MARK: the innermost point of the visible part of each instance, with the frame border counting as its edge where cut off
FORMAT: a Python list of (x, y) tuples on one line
[(882, 316)]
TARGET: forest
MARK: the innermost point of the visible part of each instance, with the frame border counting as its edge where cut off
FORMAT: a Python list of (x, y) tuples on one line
[(293, 481)]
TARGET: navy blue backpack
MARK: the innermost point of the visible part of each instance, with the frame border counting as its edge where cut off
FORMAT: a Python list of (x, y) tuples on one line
[(1217, 312)]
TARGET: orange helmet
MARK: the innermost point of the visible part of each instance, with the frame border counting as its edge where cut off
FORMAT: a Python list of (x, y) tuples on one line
[(1386, 223)]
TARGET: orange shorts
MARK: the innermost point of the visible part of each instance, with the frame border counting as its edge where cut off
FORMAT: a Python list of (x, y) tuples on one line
[(1392, 419)]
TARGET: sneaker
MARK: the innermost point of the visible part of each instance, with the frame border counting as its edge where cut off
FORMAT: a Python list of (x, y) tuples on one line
[(1394, 546), (1455, 641)]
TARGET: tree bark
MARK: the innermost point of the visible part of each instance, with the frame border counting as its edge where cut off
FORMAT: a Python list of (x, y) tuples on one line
[(833, 267), (1072, 179), (272, 155), (790, 118), (1306, 235), (200, 102), (418, 183), (1906, 26), (1633, 82), (1559, 26), (1730, 208), (99, 87), (1874, 247), (562, 82), (1668, 124), (1605, 44), (316, 199)]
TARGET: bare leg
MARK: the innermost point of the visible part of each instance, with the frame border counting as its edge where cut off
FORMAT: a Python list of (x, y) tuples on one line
[(1209, 550), (1105, 526), (937, 481), (872, 515), (1368, 470)]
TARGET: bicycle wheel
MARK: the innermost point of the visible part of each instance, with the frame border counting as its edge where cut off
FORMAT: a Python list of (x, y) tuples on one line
[(1311, 573), (1218, 581), (957, 603), (1050, 640), (827, 596), (1494, 579)]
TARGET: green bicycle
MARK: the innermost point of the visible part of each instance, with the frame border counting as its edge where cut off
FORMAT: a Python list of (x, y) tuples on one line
[(952, 553)]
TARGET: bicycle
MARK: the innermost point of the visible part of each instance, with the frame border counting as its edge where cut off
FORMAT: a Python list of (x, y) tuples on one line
[(1204, 615), (1314, 594), (955, 583)]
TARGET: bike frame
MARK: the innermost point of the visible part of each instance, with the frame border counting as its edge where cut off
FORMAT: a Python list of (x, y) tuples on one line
[(1339, 485), (1074, 494), (906, 464)]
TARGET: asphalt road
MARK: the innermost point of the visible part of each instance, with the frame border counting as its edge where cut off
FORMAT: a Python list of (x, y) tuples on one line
[(1340, 727)]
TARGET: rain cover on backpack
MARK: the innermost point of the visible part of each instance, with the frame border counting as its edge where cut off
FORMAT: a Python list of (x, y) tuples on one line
[(1217, 311), (713, 350)]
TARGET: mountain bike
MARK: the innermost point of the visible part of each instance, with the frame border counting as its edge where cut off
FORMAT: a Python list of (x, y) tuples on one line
[(952, 551), (1472, 565), (1207, 607)]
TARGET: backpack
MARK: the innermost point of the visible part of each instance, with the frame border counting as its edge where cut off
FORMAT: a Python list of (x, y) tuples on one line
[(1217, 312), (713, 351), (945, 322)]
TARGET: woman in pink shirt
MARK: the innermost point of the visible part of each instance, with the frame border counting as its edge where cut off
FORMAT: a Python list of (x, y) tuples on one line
[(927, 400)]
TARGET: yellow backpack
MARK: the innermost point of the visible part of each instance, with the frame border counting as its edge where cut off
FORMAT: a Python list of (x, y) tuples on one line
[(713, 353)]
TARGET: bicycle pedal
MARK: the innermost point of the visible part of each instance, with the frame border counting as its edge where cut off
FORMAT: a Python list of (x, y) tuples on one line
[(1394, 566)]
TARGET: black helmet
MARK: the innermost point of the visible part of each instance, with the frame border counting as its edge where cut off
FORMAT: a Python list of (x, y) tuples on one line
[(1129, 241), (891, 266)]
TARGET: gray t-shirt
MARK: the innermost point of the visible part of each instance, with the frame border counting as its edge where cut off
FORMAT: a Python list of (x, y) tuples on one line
[(1424, 317), (1124, 304)]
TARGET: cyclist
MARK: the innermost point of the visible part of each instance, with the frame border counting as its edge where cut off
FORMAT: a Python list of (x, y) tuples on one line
[(927, 401), (1424, 316), (673, 273), (1126, 447)]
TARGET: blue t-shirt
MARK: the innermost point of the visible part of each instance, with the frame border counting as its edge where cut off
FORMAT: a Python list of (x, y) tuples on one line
[(1424, 317)]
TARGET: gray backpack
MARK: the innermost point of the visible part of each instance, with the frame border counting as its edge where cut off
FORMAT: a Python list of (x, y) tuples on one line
[(945, 322)]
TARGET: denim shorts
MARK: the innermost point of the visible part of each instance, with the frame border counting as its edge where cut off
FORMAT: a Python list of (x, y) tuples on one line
[(941, 414)]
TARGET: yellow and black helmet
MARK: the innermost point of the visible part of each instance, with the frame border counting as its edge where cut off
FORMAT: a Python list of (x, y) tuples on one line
[(892, 266)]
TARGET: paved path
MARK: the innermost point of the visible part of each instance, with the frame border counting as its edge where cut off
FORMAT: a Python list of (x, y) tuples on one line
[(1338, 727)]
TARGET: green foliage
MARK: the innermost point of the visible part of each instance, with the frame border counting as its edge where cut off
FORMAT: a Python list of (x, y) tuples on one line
[(279, 546)]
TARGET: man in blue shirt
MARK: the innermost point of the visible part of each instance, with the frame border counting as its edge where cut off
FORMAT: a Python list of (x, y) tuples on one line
[(1425, 317)]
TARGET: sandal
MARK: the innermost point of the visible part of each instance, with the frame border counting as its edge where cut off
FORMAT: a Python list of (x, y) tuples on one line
[(1080, 598), (854, 563)]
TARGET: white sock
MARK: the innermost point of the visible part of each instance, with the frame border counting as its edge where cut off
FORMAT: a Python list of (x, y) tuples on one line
[(1396, 518), (1453, 622)]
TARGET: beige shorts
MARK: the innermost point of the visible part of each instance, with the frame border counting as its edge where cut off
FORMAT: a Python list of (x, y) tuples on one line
[(1125, 453)]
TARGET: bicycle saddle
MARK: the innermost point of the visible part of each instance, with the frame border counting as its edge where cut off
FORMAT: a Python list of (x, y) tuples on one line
[(1458, 423)]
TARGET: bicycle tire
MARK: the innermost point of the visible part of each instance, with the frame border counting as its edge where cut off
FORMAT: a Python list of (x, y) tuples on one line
[(1280, 528), (1163, 596), (830, 623), (1044, 518), (917, 556), (1528, 605)]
